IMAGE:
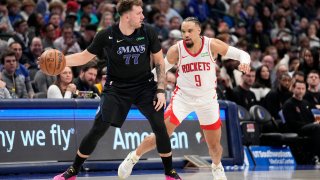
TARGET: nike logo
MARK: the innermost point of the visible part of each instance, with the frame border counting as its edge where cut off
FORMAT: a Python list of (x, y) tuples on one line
[(119, 40), (110, 37), (184, 56)]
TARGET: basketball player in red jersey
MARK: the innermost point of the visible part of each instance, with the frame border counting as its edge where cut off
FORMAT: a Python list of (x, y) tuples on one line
[(195, 91)]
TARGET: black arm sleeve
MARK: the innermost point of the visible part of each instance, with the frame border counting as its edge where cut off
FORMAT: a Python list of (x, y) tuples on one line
[(155, 45)]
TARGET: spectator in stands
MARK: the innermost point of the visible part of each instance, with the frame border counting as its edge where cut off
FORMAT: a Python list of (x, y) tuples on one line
[(275, 99), (174, 23), (258, 36), (216, 9), (21, 69), (161, 27), (255, 54), (34, 53), (266, 19), (164, 7), (199, 9), (279, 70), (313, 95), (35, 24), (48, 36), (14, 11), (63, 86), (86, 7), (293, 65), (87, 78), (262, 84), (174, 36), (27, 8), (14, 83), (221, 85), (20, 34), (55, 8), (67, 42), (299, 117), (234, 15), (5, 24), (87, 36), (56, 20), (4, 93), (42, 82), (298, 75), (242, 95), (312, 35), (106, 21), (310, 61)]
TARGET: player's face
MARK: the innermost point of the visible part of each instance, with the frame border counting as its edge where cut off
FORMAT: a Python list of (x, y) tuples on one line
[(190, 32), (66, 75), (135, 16)]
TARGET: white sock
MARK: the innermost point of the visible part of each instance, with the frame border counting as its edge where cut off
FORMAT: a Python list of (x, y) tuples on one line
[(134, 155), (215, 166)]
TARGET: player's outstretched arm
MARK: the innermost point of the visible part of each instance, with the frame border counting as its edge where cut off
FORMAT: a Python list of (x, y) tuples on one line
[(78, 59), (220, 47)]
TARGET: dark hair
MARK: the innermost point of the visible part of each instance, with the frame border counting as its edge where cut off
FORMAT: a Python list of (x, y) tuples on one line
[(126, 5), (259, 82), (297, 81), (314, 72), (89, 65), (299, 73), (6, 53), (193, 19), (14, 42)]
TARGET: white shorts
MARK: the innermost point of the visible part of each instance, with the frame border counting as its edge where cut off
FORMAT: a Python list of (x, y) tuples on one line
[(206, 108)]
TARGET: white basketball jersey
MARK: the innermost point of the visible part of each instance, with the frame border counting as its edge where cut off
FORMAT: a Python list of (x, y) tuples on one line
[(196, 74)]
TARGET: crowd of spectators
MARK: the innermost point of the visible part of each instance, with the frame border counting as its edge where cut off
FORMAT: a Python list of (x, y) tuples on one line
[(281, 36)]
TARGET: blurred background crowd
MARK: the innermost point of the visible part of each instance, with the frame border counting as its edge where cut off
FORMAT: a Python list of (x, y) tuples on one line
[(281, 36)]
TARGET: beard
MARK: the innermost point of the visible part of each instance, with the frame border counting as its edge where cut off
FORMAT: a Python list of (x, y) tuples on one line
[(189, 45)]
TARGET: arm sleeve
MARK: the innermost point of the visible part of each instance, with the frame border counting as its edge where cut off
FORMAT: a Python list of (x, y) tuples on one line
[(54, 92)]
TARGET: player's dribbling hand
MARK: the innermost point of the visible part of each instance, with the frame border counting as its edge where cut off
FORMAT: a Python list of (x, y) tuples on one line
[(245, 68), (160, 101)]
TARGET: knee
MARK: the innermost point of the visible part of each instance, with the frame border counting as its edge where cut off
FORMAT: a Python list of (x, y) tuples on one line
[(215, 146)]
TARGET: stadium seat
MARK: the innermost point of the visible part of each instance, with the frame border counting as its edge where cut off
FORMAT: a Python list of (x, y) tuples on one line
[(249, 128), (270, 132)]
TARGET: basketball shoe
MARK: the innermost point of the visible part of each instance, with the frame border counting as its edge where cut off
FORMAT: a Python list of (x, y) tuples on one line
[(218, 172), (69, 174), (173, 175), (127, 164)]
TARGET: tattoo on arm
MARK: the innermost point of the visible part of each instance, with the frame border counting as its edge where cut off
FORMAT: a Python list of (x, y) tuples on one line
[(160, 75)]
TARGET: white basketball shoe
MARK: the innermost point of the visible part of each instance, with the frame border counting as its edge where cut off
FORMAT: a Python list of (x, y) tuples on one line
[(127, 164), (218, 172)]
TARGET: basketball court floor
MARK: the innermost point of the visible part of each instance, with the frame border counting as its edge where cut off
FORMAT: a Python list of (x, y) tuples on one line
[(262, 173)]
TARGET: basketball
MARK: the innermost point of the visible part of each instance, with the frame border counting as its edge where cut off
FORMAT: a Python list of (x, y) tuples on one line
[(52, 62)]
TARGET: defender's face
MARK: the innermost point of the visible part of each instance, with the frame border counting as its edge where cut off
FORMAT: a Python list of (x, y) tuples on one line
[(190, 31)]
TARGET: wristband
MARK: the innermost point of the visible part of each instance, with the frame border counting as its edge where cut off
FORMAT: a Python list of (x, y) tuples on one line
[(160, 91)]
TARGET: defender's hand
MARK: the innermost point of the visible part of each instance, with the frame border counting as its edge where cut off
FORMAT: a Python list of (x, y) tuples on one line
[(245, 68), (160, 101)]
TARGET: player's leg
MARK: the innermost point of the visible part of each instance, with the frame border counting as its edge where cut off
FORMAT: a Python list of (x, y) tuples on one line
[(112, 110), (210, 123), (149, 142), (87, 146), (175, 111)]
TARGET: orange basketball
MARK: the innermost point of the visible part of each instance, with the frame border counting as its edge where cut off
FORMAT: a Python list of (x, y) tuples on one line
[(52, 62)]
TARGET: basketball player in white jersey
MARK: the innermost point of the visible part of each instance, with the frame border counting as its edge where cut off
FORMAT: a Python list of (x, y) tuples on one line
[(195, 91)]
